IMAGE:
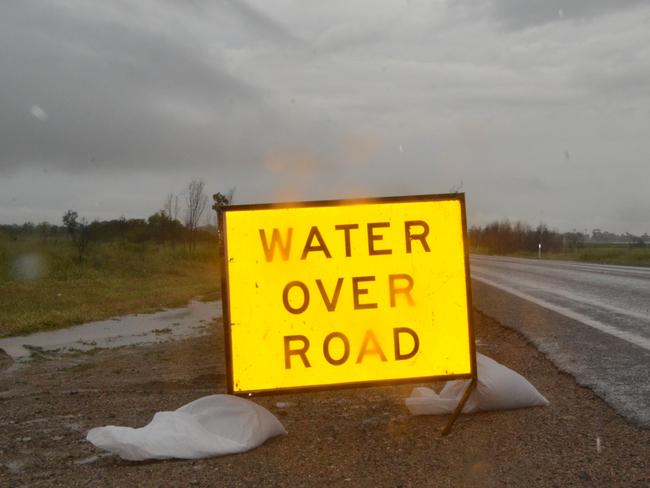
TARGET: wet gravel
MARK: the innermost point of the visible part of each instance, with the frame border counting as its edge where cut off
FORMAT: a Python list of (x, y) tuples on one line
[(361, 437)]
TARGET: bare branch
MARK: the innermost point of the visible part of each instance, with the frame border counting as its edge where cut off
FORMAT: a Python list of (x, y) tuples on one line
[(171, 206), (196, 201)]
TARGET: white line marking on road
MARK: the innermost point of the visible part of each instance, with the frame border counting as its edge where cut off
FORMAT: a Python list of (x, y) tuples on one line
[(630, 271), (634, 339), (482, 272)]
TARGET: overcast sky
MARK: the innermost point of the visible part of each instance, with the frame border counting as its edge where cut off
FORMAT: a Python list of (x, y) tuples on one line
[(537, 110)]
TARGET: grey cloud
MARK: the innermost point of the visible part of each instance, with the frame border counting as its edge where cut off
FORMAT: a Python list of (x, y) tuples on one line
[(264, 24), (106, 106), (526, 13), (102, 84), (347, 36), (620, 79)]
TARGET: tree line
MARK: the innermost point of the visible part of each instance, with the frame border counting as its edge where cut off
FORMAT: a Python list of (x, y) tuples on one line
[(505, 237), (184, 219)]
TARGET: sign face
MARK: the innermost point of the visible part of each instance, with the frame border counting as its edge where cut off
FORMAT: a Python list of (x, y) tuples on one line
[(327, 294)]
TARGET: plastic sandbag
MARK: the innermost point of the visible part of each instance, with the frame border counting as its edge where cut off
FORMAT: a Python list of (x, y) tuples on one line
[(499, 388), (210, 426)]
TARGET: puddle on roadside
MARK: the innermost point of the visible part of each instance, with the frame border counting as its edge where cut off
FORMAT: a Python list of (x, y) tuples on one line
[(172, 324)]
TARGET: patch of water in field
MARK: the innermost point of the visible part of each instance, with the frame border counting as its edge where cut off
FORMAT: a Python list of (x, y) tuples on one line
[(173, 324)]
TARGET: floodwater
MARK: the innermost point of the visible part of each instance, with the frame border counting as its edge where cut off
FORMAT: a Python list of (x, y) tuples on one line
[(172, 324)]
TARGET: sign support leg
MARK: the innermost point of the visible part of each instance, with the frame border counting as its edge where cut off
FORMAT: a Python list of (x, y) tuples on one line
[(459, 407)]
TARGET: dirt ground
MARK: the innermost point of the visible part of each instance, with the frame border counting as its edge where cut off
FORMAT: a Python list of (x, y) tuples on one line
[(350, 438)]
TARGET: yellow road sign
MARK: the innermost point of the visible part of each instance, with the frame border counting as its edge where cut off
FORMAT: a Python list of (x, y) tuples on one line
[(343, 293)]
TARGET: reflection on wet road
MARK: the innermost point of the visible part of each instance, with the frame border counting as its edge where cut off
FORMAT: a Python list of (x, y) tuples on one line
[(592, 320)]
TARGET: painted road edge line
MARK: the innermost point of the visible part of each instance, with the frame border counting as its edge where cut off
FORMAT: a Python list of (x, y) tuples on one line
[(633, 339)]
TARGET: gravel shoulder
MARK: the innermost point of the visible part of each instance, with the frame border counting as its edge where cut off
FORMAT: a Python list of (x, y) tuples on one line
[(360, 437)]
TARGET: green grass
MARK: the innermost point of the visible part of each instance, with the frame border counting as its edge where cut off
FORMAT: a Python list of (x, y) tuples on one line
[(602, 254), (43, 286), (631, 256)]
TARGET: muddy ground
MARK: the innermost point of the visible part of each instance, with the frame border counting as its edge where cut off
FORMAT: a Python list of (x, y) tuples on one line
[(350, 438)]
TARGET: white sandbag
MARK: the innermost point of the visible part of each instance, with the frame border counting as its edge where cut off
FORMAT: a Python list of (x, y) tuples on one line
[(210, 426), (499, 388)]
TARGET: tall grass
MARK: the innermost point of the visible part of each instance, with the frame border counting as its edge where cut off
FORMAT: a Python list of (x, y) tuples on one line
[(44, 286)]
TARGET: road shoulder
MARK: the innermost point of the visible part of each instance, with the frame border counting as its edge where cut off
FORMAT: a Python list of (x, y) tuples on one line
[(362, 437)]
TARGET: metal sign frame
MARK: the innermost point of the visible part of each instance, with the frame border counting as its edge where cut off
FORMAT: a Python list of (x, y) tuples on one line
[(225, 291)]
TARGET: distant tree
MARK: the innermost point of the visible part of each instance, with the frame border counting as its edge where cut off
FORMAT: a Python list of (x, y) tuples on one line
[(543, 236), (70, 223), (157, 224), (44, 229), (122, 226), (79, 232), (171, 209), (571, 241), (171, 206), (27, 229), (196, 201), (162, 228), (502, 237), (83, 238)]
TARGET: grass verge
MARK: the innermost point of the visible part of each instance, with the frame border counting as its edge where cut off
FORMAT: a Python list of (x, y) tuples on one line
[(622, 255), (43, 286)]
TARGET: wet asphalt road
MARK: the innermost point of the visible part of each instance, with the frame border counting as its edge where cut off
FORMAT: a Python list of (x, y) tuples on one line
[(592, 321)]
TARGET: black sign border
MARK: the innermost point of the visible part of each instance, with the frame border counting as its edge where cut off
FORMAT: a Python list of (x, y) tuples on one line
[(225, 293)]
